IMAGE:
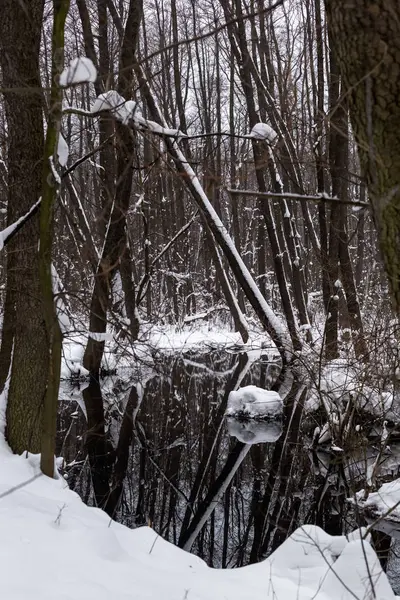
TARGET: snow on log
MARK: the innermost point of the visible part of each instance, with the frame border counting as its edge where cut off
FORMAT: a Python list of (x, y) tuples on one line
[(254, 432), (262, 131), (79, 70), (254, 402)]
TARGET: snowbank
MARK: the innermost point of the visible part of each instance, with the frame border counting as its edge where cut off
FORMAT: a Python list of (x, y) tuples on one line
[(53, 546), (254, 402)]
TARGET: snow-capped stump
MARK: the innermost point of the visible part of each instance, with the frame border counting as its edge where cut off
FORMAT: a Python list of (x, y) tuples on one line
[(79, 70), (254, 402), (255, 432), (262, 131)]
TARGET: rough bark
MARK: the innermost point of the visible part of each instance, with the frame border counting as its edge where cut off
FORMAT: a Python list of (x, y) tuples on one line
[(20, 29), (366, 38)]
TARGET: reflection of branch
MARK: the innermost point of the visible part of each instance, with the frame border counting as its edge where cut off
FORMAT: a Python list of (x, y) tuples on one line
[(209, 504), (143, 442)]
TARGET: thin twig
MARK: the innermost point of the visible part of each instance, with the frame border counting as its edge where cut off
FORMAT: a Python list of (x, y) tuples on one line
[(299, 197)]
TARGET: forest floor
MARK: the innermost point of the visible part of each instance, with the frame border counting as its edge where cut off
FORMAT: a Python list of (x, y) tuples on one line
[(53, 546)]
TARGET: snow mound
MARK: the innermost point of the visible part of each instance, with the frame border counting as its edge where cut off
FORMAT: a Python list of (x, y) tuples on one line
[(254, 402), (254, 432), (79, 70)]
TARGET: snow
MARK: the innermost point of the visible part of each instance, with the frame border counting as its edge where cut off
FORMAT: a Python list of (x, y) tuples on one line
[(53, 546), (161, 339), (123, 111), (126, 113), (71, 358), (254, 402), (79, 70), (254, 432), (62, 150), (5, 233), (339, 382), (202, 335), (54, 171), (262, 131), (287, 211), (384, 502), (61, 310), (101, 337)]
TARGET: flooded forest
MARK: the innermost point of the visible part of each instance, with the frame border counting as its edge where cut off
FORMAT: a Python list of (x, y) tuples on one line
[(199, 207)]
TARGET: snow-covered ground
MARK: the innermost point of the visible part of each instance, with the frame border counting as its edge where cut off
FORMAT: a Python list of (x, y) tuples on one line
[(53, 546)]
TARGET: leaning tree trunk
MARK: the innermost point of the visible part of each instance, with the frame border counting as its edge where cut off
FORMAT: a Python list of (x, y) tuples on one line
[(366, 39), (20, 30)]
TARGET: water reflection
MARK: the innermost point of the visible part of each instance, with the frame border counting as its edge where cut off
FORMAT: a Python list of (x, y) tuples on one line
[(159, 451), (251, 431)]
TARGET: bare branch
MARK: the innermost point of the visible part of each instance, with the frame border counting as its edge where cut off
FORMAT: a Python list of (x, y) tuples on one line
[(299, 197)]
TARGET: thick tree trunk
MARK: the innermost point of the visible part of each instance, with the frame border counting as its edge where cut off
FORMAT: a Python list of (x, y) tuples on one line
[(366, 39), (20, 30)]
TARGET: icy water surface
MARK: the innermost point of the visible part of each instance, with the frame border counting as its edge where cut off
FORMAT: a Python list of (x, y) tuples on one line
[(153, 448)]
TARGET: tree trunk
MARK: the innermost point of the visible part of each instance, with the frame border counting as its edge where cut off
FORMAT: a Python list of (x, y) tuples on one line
[(50, 191), (20, 30), (115, 246), (366, 39)]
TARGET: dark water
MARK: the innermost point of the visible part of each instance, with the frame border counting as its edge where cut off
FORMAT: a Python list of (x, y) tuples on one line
[(153, 448)]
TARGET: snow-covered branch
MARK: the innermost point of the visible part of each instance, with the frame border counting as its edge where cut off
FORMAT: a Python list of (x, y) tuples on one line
[(299, 197), (8, 233)]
